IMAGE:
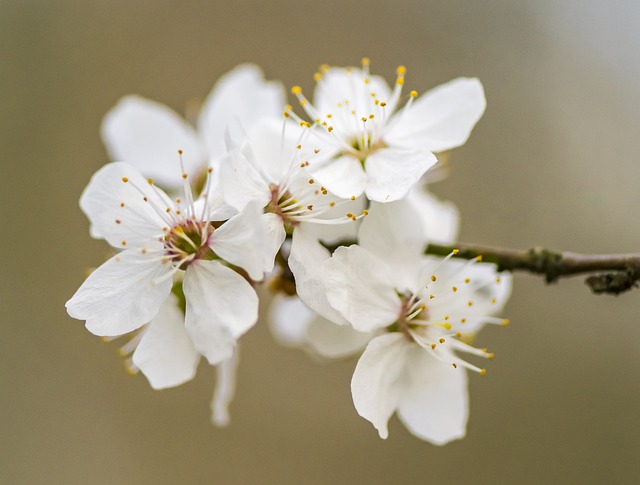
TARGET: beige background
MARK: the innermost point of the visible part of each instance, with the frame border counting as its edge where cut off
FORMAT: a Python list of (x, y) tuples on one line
[(553, 162)]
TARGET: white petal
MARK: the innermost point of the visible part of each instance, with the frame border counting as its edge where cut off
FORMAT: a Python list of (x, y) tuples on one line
[(239, 99), (392, 172), (272, 151), (344, 176), (440, 219), (335, 341), (392, 228), (441, 118), (294, 324), (289, 319), (166, 355), (148, 135), (221, 306), (250, 240), (242, 183), (377, 381), (362, 288), (118, 211), (225, 389), (121, 295), (305, 261), (339, 85), (434, 402)]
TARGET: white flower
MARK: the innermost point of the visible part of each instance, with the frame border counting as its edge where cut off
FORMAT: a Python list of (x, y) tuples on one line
[(426, 305), (270, 171), (294, 324), (162, 238), (375, 147), (148, 134)]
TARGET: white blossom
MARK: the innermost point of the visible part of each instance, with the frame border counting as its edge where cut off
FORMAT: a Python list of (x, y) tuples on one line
[(147, 134), (163, 240), (373, 145), (425, 306)]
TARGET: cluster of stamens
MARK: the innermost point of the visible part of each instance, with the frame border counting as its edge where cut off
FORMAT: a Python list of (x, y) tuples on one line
[(361, 128), (418, 321), (187, 232)]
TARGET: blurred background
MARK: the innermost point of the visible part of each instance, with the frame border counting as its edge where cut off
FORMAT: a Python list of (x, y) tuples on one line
[(553, 162)]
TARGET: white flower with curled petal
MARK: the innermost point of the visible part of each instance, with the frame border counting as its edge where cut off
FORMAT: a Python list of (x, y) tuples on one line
[(147, 134), (162, 238), (374, 146), (425, 306)]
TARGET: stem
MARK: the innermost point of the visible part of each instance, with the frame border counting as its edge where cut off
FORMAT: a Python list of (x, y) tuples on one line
[(616, 272)]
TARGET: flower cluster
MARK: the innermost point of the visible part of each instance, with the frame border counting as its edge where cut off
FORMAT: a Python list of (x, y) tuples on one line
[(326, 207)]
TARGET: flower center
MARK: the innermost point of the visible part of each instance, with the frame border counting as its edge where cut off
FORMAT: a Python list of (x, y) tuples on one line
[(188, 241)]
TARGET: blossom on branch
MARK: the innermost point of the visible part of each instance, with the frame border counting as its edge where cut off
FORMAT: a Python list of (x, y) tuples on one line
[(372, 144)]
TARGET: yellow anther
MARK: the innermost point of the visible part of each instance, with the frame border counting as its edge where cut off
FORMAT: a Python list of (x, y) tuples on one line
[(143, 250), (179, 152), (184, 175), (383, 104), (479, 258), (316, 150), (365, 61), (330, 129), (401, 70), (332, 204), (124, 243), (363, 119), (353, 197), (491, 356), (400, 81), (298, 147), (365, 212), (446, 317), (455, 366), (455, 251), (310, 207), (288, 107), (505, 322), (324, 67), (493, 300), (433, 277), (458, 334), (296, 90), (371, 117), (463, 320), (413, 94), (454, 289), (441, 340), (349, 215), (303, 102), (285, 114), (467, 280), (470, 303), (432, 296), (483, 372), (121, 204), (446, 326), (498, 280), (317, 76), (125, 179), (433, 346)]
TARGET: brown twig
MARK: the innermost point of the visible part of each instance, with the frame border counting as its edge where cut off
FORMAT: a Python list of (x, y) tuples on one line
[(616, 273)]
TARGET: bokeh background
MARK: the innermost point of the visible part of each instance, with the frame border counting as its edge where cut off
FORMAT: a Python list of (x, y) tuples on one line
[(553, 162)]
